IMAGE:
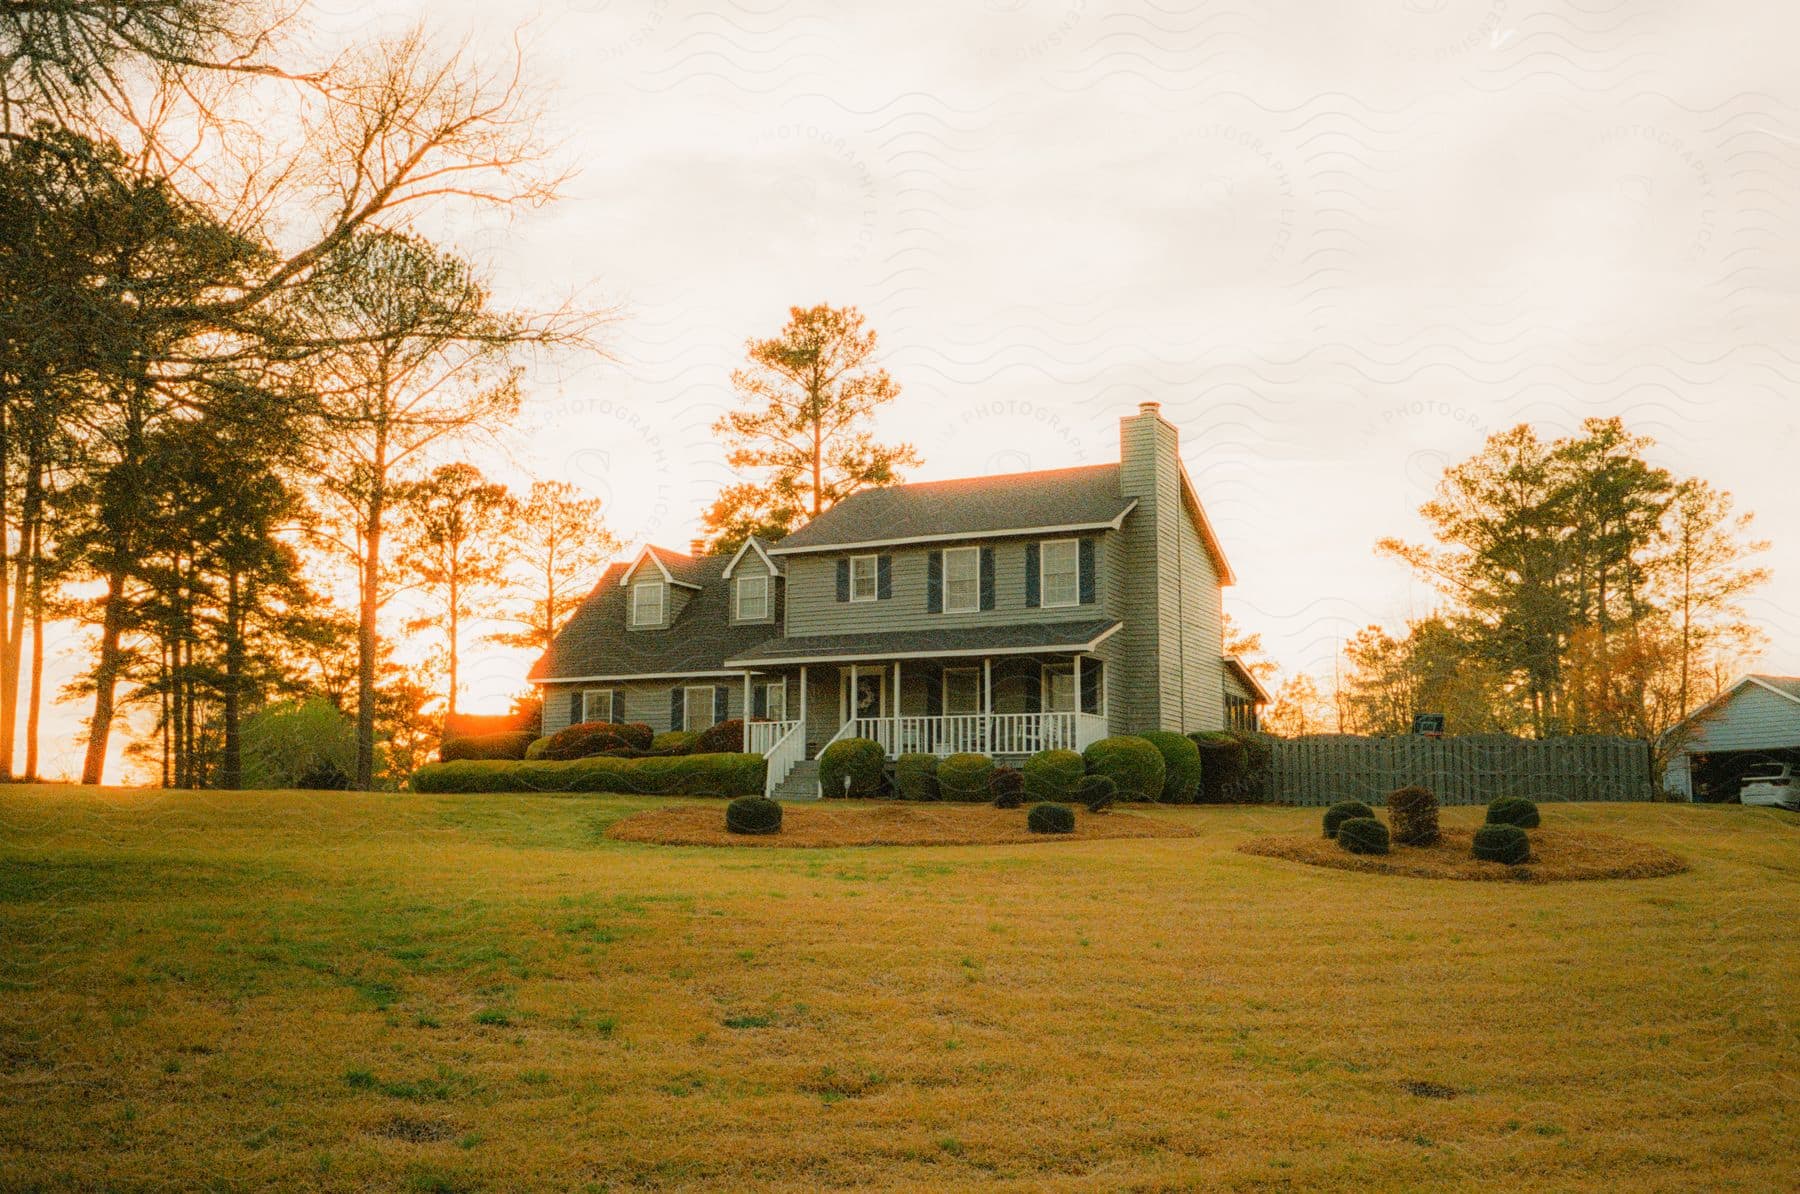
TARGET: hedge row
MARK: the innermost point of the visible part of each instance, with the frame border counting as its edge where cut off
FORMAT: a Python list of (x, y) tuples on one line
[(682, 775)]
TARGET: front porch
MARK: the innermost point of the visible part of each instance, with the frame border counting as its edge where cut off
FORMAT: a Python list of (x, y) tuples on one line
[(1008, 707)]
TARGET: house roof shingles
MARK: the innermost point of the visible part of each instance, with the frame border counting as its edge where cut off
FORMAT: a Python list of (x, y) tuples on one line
[(971, 640), (1787, 685), (1087, 496)]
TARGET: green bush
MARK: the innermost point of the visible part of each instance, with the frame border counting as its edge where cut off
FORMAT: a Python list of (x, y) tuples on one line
[(915, 777), (687, 775), (752, 814), (1363, 835), (1222, 765), (860, 760), (537, 748), (1345, 810), (297, 745), (1132, 763), (1096, 792), (508, 744), (720, 738), (1502, 843), (1181, 765), (964, 777), (1252, 784), (585, 739), (1053, 774), (1413, 813), (1513, 810), (674, 742), (1050, 818), (323, 776), (1007, 787)]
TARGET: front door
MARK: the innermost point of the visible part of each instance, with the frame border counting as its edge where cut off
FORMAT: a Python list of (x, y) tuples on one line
[(871, 695)]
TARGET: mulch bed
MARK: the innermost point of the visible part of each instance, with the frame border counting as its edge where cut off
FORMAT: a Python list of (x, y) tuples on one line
[(1557, 855), (880, 824)]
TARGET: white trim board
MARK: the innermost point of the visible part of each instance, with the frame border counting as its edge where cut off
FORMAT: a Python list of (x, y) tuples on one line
[(735, 673), (1006, 533), (966, 653)]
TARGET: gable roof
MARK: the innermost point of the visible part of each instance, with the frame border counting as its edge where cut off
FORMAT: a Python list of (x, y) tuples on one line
[(1782, 686), (675, 567), (757, 544), (1064, 499), (698, 641), (1248, 680)]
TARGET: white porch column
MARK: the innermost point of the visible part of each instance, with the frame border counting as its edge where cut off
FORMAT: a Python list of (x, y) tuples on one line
[(896, 708), (850, 699), (803, 709), (1075, 721), (987, 703), (746, 698)]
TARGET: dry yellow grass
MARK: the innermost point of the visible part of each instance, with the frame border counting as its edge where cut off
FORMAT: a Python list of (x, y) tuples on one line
[(1557, 856), (881, 824), (375, 992)]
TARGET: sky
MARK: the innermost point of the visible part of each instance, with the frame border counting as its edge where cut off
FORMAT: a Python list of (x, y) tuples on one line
[(1340, 243)]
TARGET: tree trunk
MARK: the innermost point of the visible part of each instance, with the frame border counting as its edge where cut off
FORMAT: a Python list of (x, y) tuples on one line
[(31, 513), (231, 761), (455, 600), (35, 700), (366, 646), (9, 644), (110, 663)]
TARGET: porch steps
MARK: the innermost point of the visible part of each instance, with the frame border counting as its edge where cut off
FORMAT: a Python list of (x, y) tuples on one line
[(802, 783)]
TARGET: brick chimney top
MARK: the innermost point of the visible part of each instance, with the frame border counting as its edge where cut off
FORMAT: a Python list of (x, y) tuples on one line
[(696, 547), (1149, 408)]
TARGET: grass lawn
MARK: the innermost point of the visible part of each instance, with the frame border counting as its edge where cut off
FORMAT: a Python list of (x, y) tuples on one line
[(465, 992)]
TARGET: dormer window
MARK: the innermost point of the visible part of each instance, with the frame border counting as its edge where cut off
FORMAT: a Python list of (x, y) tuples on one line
[(648, 599), (752, 598)]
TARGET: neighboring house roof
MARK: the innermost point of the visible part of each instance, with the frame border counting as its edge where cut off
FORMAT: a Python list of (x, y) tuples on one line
[(702, 635), (1065, 499), (1248, 680), (1783, 686), (1022, 638)]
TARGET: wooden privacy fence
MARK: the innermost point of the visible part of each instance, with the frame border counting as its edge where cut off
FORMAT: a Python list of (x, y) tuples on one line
[(1465, 770)]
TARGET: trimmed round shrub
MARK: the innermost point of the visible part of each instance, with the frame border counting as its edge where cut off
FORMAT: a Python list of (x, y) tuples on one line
[(1053, 774), (1007, 786), (585, 739), (720, 738), (1222, 765), (752, 814), (858, 760), (1050, 818), (1252, 786), (915, 777), (323, 776), (1181, 765), (537, 747), (1513, 810), (1096, 792), (1502, 843), (1133, 763), (1413, 813), (964, 777), (1345, 810), (295, 744), (674, 742), (508, 744), (1363, 835)]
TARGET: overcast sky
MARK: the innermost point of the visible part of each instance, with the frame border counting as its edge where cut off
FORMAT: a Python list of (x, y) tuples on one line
[(1339, 242)]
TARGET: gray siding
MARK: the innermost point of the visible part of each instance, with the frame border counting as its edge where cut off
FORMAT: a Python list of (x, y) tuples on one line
[(813, 607), (645, 700), (1752, 719)]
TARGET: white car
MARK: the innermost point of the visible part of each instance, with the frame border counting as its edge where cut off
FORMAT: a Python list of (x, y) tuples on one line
[(1771, 784)]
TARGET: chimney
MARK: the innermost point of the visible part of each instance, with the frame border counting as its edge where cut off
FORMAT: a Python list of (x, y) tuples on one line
[(696, 547), (1148, 447)]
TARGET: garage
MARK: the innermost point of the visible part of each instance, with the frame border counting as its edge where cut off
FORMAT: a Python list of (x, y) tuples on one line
[(1754, 722)]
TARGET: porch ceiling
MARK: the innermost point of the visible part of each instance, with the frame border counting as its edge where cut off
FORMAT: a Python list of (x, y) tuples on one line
[(1022, 639)]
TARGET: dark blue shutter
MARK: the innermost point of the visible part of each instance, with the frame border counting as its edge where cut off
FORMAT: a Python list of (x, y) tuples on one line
[(987, 578), (934, 698), (1090, 685), (675, 718), (934, 583), (759, 700), (616, 713), (1032, 600), (884, 577), (1034, 692), (721, 703), (575, 710), (843, 580), (1086, 552)]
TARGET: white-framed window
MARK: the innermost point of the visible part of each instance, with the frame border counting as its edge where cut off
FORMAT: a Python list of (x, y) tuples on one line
[(752, 598), (962, 691), (1059, 572), (774, 696), (962, 580), (647, 600), (697, 708), (1059, 688), (597, 704), (864, 578)]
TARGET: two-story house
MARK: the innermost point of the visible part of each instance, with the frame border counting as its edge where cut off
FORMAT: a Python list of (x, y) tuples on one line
[(1003, 614)]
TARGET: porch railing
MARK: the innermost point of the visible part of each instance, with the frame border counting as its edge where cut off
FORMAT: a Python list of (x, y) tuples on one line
[(782, 744), (980, 733)]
